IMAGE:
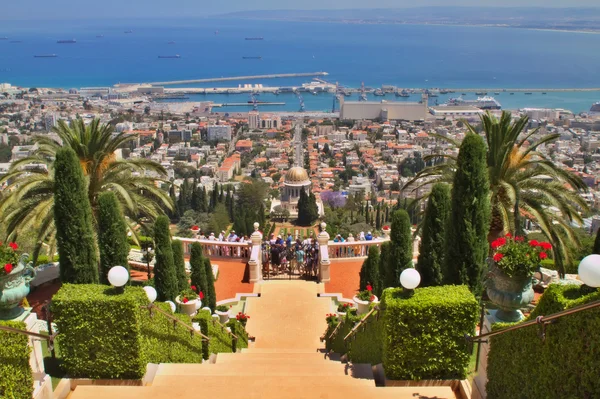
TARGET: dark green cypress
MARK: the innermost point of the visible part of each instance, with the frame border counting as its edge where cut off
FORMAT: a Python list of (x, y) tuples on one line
[(165, 276), (369, 272), (179, 262), (313, 209), (175, 213), (597, 243), (261, 217), (214, 196), (303, 209), (401, 248), (112, 235), (469, 225), (386, 273), (73, 220), (198, 275), (378, 217), (204, 200), (387, 214), (195, 196), (221, 196), (432, 250), (210, 296)]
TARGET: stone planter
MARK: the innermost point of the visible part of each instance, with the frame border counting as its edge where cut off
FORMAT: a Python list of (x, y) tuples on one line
[(341, 315), (223, 316), (362, 307), (14, 287), (508, 293), (188, 308)]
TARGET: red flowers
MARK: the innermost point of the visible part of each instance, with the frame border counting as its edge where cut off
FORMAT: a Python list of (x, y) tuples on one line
[(242, 316), (193, 287), (8, 268), (369, 287), (508, 235), (498, 242), (546, 245), (543, 255), (533, 243), (185, 300), (201, 295), (372, 298), (14, 246), (498, 257), (519, 239)]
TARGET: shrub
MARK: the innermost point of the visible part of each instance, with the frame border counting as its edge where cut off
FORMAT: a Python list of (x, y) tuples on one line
[(367, 346), (100, 331), (238, 329), (369, 272), (16, 381), (336, 342), (222, 308), (400, 256), (210, 295), (165, 278), (424, 335), (565, 365), (179, 262), (220, 341), (198, 275), (73, 219), (112, 235), (45, 259)]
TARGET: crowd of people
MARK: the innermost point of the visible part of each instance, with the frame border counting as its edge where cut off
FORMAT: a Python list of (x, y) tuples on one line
[(292, 256), (223, 250)]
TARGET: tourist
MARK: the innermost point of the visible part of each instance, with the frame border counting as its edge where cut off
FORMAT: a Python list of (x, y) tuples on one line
[(361, 236), (289, 240), (351, 248), (222, 235)]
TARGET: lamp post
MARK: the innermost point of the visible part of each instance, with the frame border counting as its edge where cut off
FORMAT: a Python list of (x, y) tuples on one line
[(148, 256), (589, 271), (118, 277), (410, 279)]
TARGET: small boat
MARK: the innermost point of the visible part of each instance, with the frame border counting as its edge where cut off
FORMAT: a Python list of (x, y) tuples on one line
[(362, 97), (497, 93), (543, 92), (171, 42), (481, 93), (464, 94), (69, 41), (169, 56), (252, 58), (128, 31), (45, 56), (379, 93), (254, 38), (15, 41), (402, 93), (528, 93), (99, 36), (512, 94)]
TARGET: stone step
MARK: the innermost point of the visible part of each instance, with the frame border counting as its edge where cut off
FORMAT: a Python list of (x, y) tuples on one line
[(277, 350), (251, 382), (232, 390), (278, 369), (312, 358)]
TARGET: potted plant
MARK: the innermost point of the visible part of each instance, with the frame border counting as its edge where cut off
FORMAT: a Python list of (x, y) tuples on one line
[(223, 312), (386, 231), (189, 300), (344, 308), (15, 276), (509, 282), (242, 318), (332, 319), (363, 300)]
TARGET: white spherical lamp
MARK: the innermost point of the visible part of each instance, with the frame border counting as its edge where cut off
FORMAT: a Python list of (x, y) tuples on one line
[(410, 278), (589, 270), (150, 293), (198, 303), (171, 305), (118, 276)]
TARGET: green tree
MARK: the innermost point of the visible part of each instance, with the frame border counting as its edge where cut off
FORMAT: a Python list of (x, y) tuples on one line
[(369, 272), (112, 235), (179, 263), (73, 219), (303, 209), (432, 250), (401, 243), (597, 243), (466, 241), (210, 296), (386, 273), (165, 276), (198, 275)]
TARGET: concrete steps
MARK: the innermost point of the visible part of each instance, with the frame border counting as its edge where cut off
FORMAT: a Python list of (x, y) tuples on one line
[(252, 383)]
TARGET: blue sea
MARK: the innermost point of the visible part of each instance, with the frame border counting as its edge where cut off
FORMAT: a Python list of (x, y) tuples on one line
[(401, 55)]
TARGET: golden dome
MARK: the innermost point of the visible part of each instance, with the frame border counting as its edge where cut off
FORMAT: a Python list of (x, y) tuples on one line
[(296, 175)]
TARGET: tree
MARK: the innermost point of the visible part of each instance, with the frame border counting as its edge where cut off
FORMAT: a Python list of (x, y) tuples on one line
[(112, 235), (210, 296), (73, 219), (466, 241), (432, 250), (400, 256), (165, 276), (179, 263), (308, 211), (597, 243), (198, 275), (386, 273), (369, 272)]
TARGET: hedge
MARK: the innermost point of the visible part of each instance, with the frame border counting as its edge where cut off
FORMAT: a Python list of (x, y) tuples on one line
[(336, 343), (164, 343), (424, 335), (565, 365), (100, 331), (220, 340), (238, 329), (16, 380), (367, 346)]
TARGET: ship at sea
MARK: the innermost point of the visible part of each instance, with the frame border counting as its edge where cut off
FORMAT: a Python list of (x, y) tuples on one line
[(481, 103), (45, 56), (595, 109), (254, 38), (68, 41), (252, 58), (128, 31), (169, 56), (3, 38)]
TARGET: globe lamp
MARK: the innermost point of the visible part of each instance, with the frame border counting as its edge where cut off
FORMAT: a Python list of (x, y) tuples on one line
[(589, 270), (118, 277), (150, 293), (410, 279)]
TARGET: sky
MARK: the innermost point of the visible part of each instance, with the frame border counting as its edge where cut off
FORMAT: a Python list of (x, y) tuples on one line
[(85, 9)]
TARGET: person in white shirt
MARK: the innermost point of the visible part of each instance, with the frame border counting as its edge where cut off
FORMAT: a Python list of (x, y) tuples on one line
[(212, 248), (351, 247)]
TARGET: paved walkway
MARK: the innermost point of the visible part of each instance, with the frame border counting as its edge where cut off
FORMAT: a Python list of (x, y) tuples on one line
[(288, 315)]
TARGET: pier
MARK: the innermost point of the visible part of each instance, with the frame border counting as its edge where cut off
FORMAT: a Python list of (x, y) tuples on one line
[(230, 78), (244, 104)]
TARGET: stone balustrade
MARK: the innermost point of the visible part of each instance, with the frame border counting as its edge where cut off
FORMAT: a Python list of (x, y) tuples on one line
[(218, 249), (355, 249)]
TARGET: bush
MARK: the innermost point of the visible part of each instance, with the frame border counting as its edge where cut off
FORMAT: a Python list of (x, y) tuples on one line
[(220, 341), (369, 272), (112, 235), (565, 365), (165, 278), (198, 275), (179, 261), (100, 331), (336, 343), (210, 296), (73, 219), (238, 329), (45, 259), (367, 346), (16, 381), (424, 335)]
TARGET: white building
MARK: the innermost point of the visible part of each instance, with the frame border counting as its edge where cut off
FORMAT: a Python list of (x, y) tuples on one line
[(253, 119), (541, 113), (264, 121), (384, 110), (219, 132)]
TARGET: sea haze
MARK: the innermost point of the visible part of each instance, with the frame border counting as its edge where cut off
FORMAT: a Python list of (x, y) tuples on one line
[(402, 55)]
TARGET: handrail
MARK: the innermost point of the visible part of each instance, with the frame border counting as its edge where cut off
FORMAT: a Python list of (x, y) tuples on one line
[(363, 320), (224, 328), (375, 241), (540, 320), (46, 337), (335, 330), (175, 320)]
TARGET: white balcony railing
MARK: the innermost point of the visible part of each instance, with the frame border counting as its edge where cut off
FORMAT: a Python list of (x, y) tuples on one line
[(356, 249)]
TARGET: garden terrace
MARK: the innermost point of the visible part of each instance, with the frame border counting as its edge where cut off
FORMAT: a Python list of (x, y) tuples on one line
[(356, 249)]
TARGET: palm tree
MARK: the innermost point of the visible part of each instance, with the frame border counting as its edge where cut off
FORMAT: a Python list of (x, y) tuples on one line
[(28, 204), (524, 182)]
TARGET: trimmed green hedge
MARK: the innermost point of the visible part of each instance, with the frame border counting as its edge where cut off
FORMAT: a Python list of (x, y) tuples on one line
[(566, 365), (16, 381), (220, 340), (238, 329), (367, 346), (425, 334), (336, 343), (164, 343), (100, 332)]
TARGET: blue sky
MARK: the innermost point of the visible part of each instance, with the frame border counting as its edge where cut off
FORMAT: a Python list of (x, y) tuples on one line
[(57, 9)]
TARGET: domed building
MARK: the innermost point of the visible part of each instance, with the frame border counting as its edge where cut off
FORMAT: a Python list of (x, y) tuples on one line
[(295, 180)]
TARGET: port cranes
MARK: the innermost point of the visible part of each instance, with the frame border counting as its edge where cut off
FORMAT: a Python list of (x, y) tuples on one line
[(301, 99), (363, 92)]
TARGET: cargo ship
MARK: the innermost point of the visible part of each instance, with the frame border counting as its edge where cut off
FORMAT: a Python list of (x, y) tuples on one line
[(595, 109), (481, 103), (252, 58), (68, 41), (254, 38), (45, 56), (169, 56)]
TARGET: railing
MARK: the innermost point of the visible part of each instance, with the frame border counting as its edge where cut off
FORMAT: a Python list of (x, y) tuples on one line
[(223, 249), (360, 323), (355, 249), (223, 328), (50, 337), (151, 307)]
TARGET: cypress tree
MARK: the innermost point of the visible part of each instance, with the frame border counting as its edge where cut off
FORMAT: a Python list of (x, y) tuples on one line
[(387, 214), (204, 200), (313, 209), (221, 197), (214, 196), (597, 243), (432, 250), (179, 262), (112, 235), (261, 217), (195, 196), (386, 273), (165, 276), (467, 245), (198, 276), (369, 272), (73, 220), (303, 209), (210, 296), (400, 257), (378, 217), (175, 212), (249, 225)]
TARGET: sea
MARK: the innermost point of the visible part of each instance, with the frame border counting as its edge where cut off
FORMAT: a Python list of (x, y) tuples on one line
[(408, 56)]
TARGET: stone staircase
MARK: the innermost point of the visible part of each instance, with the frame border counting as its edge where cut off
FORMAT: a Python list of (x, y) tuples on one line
[(286, 361)]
